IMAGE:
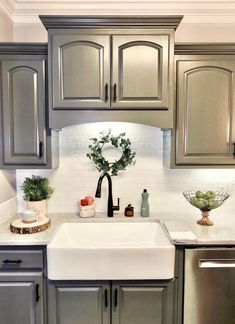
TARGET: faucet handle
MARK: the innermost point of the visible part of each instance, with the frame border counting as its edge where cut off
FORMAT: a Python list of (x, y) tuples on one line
[(118, 206)]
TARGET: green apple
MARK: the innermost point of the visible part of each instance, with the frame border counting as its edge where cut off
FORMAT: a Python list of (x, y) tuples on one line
[(200, 194), (213, 203), (210, 194), (200, 203), (206, 203)]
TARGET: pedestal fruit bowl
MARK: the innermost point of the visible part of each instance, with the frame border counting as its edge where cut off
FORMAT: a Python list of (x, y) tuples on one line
[(206, 201)]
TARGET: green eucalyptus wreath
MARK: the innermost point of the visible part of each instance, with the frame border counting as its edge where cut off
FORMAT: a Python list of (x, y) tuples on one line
[(119, 141)]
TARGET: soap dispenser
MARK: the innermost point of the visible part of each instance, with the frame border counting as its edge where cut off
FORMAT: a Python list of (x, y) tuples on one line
[(144, 204)]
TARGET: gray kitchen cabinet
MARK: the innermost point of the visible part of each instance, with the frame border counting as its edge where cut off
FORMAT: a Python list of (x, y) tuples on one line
[(81, 71), (104, 67), (149, 303), (21, 286), (205, 114), (141, 71), (25, 139), (20, 298), (111, 302), (83, 303)]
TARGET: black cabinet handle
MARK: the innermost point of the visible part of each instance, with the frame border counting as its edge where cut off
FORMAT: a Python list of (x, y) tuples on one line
[(40, 149), (115, 92), (106, 298), (115, 298), (37, 293), (106, 89), (7, 261)]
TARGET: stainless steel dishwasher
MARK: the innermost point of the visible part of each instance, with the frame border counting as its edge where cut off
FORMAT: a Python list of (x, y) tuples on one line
[(209, 286)]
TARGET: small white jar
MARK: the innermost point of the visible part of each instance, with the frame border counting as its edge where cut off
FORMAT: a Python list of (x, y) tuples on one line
[(29, 216)]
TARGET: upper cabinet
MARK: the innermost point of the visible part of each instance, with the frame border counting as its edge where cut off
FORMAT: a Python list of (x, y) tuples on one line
[(80, 72), (25, 141), (140, 71), (205, 114), (106, 67), (83, 77)]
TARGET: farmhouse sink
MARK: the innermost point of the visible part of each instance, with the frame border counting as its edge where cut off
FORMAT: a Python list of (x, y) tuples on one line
[(89, 251)]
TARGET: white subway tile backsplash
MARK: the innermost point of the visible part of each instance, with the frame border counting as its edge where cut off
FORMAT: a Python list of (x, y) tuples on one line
[(8, 209), (77, 175)]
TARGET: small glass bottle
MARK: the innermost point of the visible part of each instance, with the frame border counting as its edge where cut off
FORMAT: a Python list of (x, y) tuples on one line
[(144, 204), (129, 211)]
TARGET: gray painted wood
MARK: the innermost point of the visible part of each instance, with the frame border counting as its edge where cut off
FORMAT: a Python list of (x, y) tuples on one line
[(205, 110), (23, 106), (62, 21), (62, 111), (78, 303), (204, 48), (27, 259), (18, 298), (146, 303), (140, 71), (23, 118), (20, 48), (80, 71)]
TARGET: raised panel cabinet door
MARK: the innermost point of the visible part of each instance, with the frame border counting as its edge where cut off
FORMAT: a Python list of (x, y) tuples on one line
[(21, 298), (70, 304), (205, 111), (141, 74), (150, 304), (23, 112), (80, 71)]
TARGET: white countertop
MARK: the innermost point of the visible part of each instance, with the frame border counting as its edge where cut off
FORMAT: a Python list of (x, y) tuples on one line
[(222, 232)]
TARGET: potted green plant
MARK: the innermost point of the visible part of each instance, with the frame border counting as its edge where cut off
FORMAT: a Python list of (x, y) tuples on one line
[(37, 191)]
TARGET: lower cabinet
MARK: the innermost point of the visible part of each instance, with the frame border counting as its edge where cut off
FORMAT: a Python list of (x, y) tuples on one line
[(142, 303), (21, 298), (82, 303), (115, 302), (22, 285)]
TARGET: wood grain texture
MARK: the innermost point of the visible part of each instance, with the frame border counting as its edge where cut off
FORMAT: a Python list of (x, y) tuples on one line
[(18, 227)]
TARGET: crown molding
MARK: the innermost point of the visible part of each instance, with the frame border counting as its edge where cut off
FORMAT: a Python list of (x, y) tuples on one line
[(8, 7), (60, 21), (204, 49), (23, 48), (194, 11)]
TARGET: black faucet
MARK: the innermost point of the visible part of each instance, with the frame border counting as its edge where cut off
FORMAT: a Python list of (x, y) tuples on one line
[(111, 207)]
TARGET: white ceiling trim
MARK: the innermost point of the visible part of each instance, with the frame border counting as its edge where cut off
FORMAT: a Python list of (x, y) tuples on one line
[(8, 6), (200, 11)]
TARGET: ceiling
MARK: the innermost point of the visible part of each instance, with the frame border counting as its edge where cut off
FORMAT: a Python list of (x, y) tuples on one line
[(197, 11)]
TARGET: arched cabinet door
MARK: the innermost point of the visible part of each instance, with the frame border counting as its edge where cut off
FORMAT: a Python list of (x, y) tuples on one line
[(205, 111), (80, 71), (141, 71), (23, 112)]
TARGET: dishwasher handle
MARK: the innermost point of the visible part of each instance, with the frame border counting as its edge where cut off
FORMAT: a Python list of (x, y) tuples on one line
[(216, 263)]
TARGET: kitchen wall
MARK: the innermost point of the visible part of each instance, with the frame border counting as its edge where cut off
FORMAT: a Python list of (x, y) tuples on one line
[(186, 32), (7, 178), (77, 175), (6, 27)]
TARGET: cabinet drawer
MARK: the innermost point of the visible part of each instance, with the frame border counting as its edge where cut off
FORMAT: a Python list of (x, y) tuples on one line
[(14, 259)]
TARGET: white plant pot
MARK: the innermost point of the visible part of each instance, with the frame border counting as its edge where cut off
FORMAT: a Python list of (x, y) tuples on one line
[(40, 207)]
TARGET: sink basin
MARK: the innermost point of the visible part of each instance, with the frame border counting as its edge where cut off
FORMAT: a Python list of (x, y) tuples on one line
[(109, 251)]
